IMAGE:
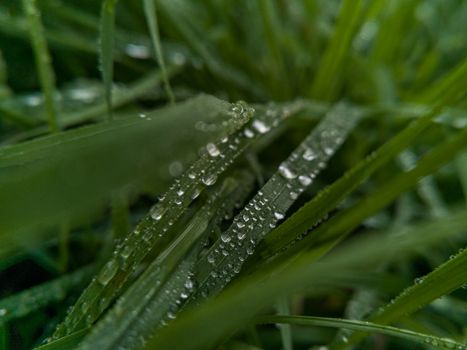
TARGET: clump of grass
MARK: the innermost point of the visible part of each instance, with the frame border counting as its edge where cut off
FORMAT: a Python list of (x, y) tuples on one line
[(333, 198)]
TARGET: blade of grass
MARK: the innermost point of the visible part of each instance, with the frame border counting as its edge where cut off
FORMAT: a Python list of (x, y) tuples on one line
[(333, 231), (150, 233), (106, 49), (151, 19), (442, 343), (43, 61), (444, 279), (330, 197), (269, 206), (204, 325), (30, 300), (146, 298), (328, 77)]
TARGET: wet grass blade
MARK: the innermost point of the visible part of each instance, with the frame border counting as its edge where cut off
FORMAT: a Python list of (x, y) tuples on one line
[(204, 325), (30, 300), (43, 61), (151, 19), (443, 280), (326, 236), (150, 235), (271, 203), (442, 343), (147, 304), (316, 209)]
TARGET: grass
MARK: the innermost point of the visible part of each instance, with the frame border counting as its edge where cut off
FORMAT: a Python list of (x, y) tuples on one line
[(145, 204)]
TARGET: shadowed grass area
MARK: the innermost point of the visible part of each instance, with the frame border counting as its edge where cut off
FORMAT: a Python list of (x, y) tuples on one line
[(183, 174)]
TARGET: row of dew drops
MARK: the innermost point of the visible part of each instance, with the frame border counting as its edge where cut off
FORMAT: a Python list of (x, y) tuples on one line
[(268, 207)]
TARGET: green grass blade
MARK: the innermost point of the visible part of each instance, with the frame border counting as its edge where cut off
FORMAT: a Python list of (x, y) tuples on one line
[(328, 77), (70, 342), (333, 231), (124, 149), (106, 49), (203, 326), (443, 280), (425, 339), (151, 232), (330, 197), (30, 300), (271, 203), (149, 298), (43, 61), (151, 19)]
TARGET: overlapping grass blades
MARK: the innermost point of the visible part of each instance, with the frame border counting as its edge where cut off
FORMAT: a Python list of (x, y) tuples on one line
[(151, 232), (244, 299), (271, 203)]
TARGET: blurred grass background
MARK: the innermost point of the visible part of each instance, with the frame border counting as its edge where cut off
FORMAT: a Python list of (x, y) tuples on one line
[(61, 191)]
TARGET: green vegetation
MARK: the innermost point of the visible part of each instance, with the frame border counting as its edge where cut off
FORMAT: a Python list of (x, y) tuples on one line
[(233, 174)]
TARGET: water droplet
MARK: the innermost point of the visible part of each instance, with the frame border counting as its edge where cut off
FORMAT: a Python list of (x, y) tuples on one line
[(293, 195), (419, 280), (209, 179), (142, 115), (107, 272), (211, 259), (286, 172), (212, 150), (240, 224), (260, 126), (180, 192), (126, 251), (304, 180), (309, 154), (137, 51), (248, 133), (157, 212), (225, 237), (3, 312), (278, 216)]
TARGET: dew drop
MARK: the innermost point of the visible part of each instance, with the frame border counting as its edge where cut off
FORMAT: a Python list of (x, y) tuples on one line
[(157, 212), (212, 150), (261, 127), (3, 312), (225, 237), (304, 180), (108, 272), (248, 133), (240, 224), (209, 180), (278, 216), (309, 154), (286, 172)]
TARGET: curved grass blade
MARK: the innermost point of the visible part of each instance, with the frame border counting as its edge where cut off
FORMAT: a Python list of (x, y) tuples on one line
[(269, 206), (425, 339), (150, 233), (43, 61), (151, 19), (206, 324), (444, 279), (106, 49), (23, 303)]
